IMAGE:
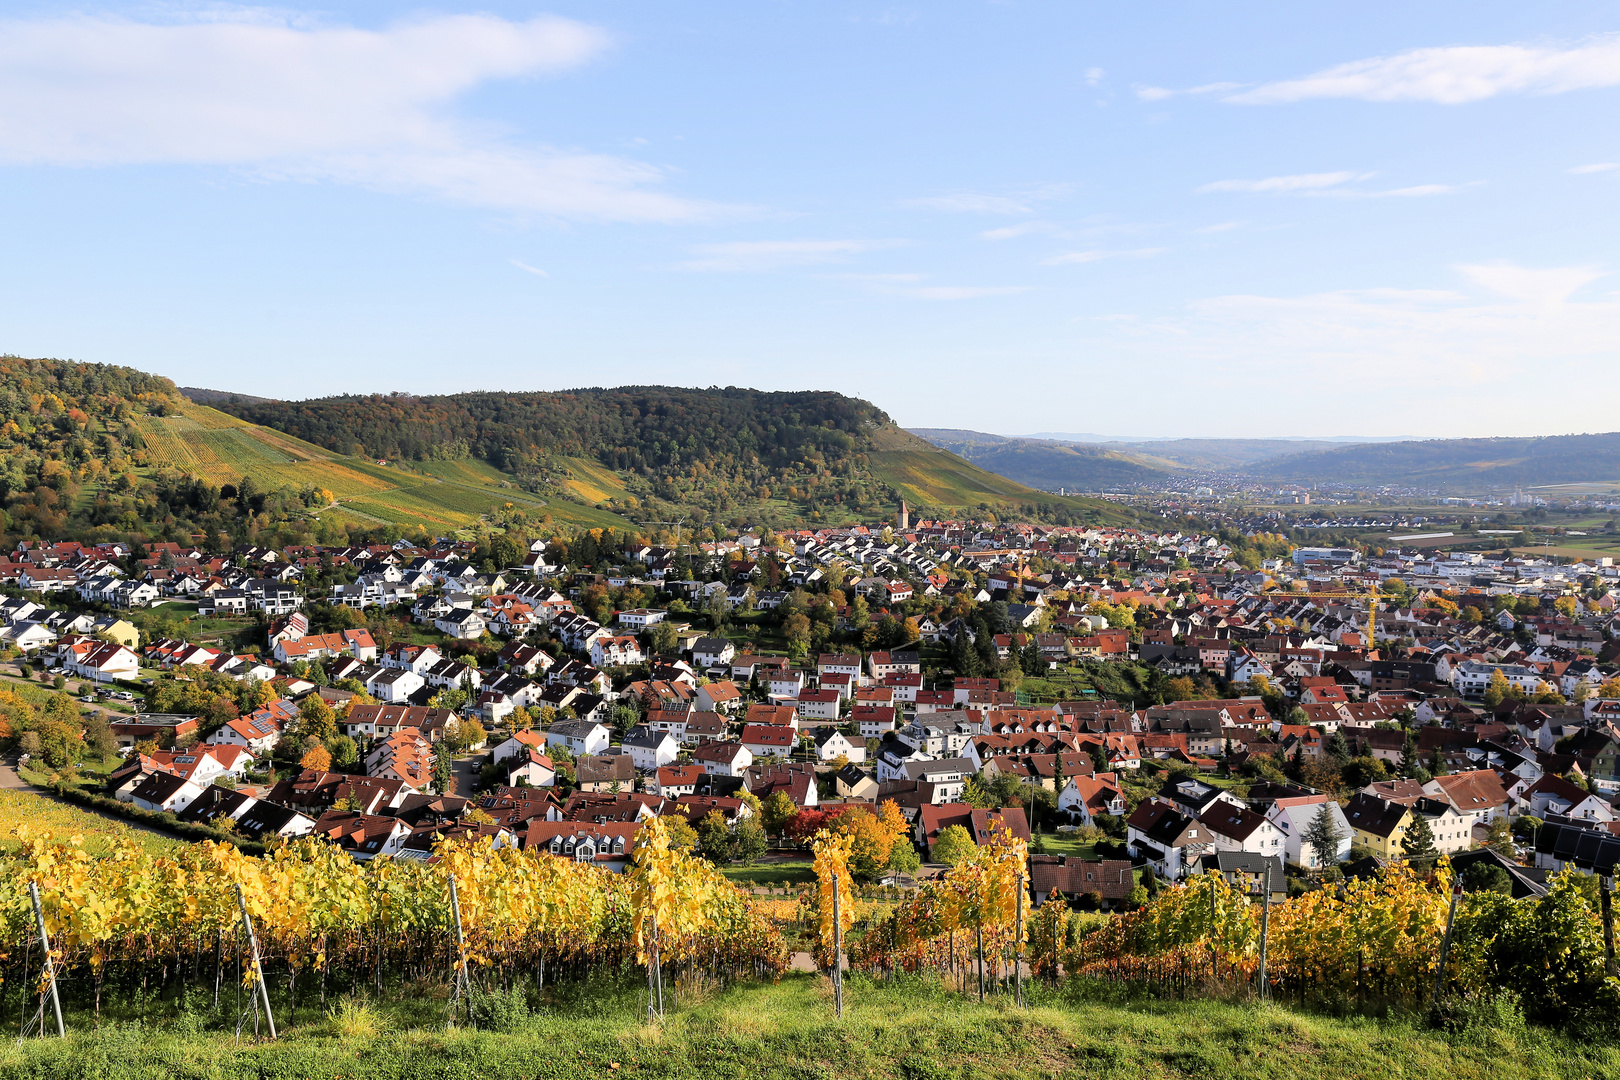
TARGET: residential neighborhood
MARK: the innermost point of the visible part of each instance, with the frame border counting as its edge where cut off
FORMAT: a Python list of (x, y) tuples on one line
[(1109, 693)]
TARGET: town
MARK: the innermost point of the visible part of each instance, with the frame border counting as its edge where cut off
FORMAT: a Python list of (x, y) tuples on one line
[(1138, 706)]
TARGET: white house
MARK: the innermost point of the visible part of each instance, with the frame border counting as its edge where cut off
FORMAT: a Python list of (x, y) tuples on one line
[(615, 652), (394, 685), (1294, 815), (817, 704), (1237, 828), (721, 758), (582, 737), (1091, 797), (650, 749), (832, 744), (166, 791), (103, 662)]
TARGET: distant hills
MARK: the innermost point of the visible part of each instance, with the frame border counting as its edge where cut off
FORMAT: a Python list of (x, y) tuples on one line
[(1081, 466), (1477, 465), (1457, 464)]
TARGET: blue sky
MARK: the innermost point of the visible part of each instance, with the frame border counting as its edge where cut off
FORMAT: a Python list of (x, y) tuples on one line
[(1147, 219)]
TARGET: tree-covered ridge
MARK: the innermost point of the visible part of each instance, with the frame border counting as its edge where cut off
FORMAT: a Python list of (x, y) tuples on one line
[(633, 428), (717, 449), (66, 425)]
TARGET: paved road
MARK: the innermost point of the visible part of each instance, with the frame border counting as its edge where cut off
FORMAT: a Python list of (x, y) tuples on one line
[(464, 775)]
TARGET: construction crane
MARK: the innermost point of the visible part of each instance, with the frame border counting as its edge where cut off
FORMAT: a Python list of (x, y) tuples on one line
[(1372, 608), (677, 525)]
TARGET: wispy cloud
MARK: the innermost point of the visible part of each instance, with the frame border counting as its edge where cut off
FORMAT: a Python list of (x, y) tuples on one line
[(1221, 226), (1021, 201), (1330, 185), (1159, 93), (291, 98), (1286, 184), (1506, 324), (1027, 228), (964, 292), (966, 202), (531, 269), (1600, 167), (761, 255), (1099, 256), (1094, 76), (1454, 75)]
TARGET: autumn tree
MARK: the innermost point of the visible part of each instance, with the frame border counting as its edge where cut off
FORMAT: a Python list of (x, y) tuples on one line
[(953, 845)]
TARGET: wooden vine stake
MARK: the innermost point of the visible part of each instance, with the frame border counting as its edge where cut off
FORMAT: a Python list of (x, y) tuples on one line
[(262, 988), (49, 987), (463, 987)]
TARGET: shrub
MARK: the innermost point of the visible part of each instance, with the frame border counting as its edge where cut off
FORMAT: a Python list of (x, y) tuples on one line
[(495, 1009)]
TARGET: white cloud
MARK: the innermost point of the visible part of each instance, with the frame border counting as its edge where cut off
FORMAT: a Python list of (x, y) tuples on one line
[(1542, 288), (968, 203), (1094, 76), (1159, 93), (964, 292), (531, 269), (973, 202), (1454, 75), (1285, 184), (290, 99), (1483, 344), (1011, 231), (1098, 256), (1221, 226), (761, 255), (1600, 167), (1330, 185)]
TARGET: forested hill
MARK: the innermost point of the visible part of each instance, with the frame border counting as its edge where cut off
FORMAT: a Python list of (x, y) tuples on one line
[(1458, 464), (68, 428), (634, 427), (802, 456)]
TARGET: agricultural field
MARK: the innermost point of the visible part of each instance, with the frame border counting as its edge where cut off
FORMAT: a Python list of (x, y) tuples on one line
[(592, 482), (40, 814), (440, 496)]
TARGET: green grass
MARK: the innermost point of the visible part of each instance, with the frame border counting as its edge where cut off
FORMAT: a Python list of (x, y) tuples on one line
[(911, 1029), (1069, 845), (776, 874)]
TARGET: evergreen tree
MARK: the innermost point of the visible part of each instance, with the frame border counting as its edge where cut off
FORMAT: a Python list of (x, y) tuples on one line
[(1324, 836), (1338, 747), (1418, 844), (1409, 764)]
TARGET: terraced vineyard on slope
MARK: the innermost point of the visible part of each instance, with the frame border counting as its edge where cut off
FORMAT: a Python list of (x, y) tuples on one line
[(447, 495)]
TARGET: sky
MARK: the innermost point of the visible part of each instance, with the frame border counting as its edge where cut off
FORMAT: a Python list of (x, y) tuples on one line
[(1154, 219)]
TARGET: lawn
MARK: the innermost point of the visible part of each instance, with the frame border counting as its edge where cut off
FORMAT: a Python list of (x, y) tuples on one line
[(775, 873), (911, 1029)]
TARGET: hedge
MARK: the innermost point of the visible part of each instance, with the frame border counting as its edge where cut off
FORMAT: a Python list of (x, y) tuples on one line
[(163, 820)]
